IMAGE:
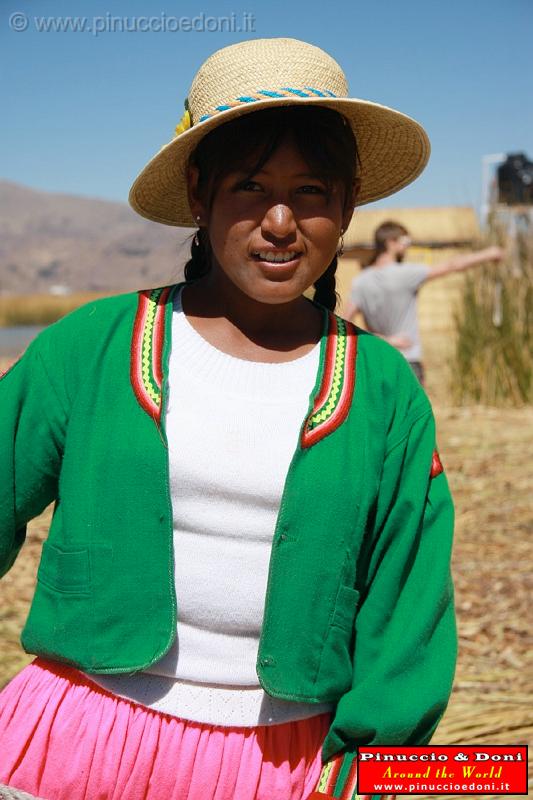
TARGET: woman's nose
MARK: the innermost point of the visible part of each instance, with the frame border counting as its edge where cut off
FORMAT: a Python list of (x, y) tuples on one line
[(279, 221)]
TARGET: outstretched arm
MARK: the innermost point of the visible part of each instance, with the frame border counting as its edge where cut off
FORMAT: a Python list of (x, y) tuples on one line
[(462, 263)]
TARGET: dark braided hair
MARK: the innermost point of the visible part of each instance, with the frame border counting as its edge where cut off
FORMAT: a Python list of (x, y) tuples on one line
[(200, 261), (331, 153), (325, 287)]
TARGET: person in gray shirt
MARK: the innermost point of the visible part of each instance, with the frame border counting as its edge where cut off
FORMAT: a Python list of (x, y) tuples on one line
[(385, 292)]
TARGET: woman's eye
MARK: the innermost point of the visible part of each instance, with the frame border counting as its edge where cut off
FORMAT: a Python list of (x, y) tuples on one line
[(249, 186), (312, 189)]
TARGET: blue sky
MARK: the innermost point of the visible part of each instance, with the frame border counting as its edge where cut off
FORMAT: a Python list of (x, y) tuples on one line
[(85, 112)]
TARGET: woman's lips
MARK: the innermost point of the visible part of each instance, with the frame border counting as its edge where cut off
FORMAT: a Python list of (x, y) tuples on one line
[(257, 257), (279, 268)]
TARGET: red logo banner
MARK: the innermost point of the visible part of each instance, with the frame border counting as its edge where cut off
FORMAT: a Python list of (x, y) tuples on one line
[(443, 769)]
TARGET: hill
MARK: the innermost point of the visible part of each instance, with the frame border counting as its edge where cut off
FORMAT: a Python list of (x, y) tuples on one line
[(83, 244)]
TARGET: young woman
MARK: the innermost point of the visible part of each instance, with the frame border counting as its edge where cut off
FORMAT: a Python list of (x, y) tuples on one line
[(247, 572)]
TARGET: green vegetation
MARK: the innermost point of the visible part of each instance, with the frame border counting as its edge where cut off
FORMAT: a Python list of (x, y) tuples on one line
[(493, 360)]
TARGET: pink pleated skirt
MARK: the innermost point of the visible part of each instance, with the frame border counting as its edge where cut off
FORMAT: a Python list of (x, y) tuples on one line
[(64, 738)]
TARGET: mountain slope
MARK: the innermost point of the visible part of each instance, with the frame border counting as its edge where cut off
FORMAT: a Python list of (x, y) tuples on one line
[(49, 239)]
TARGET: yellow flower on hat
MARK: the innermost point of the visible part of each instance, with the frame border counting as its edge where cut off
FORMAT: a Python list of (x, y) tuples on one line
[(186, 121)]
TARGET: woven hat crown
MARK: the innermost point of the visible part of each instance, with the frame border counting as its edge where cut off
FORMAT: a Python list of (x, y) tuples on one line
[(263, 69), (257, 74)]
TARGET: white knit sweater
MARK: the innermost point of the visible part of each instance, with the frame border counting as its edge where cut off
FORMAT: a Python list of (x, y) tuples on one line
[(232, 428)]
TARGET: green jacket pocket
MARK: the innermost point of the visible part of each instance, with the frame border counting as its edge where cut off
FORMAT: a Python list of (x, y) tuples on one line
[(345, 608), (335, 673), (65, 570)]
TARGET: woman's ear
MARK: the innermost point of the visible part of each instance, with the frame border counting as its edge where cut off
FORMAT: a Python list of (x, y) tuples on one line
[(195, 204)]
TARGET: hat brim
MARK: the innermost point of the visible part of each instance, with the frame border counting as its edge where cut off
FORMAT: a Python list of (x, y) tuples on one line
[(393, 149)]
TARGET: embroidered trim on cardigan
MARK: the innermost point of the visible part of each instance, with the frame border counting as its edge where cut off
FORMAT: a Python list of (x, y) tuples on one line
[(329, 775), (334, 397), (349, 789), (436, 465), (147, 349), (328, 782), (332, 401)]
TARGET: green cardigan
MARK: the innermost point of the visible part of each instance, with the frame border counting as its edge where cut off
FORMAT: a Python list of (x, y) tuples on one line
[(359, 602)]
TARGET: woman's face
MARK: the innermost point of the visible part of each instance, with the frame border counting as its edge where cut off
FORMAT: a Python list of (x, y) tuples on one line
[(285, 213)]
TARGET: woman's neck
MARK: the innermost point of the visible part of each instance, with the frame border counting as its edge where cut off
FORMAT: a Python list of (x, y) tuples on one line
[(247, 328)]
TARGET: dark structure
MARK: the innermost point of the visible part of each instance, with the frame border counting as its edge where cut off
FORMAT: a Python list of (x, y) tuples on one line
[(515, 180)]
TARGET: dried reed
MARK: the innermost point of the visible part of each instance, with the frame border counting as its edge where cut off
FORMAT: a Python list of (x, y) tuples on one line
[(493, 359), (39, 309)]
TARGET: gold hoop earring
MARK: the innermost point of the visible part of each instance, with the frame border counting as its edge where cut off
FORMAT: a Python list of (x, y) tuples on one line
[(196, 239)]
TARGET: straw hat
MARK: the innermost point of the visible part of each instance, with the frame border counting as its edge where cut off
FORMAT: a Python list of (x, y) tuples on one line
[(263, 73)]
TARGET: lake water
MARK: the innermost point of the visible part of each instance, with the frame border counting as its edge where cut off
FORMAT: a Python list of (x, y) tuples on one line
[(14, 341)]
